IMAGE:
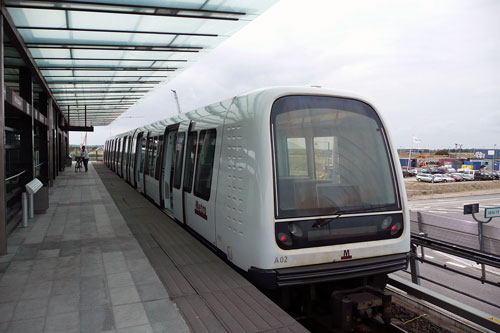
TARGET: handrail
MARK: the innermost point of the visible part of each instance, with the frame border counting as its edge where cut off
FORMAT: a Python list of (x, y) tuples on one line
[(15, 176), (39, 164), (457, 250)]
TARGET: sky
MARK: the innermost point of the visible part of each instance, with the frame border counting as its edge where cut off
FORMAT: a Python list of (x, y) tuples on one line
[(431, 68)]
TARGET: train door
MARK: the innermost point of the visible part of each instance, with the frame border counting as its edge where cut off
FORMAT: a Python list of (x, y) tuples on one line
[(139, 161), (177, 192), (131, 168), (167, 175), (114, 155), (119, 157), (124, 156), (199, 191)]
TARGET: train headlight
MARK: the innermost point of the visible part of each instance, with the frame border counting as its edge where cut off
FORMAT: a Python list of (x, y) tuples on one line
[(395, 228), (285, 239), (386, 222), (295, 230)]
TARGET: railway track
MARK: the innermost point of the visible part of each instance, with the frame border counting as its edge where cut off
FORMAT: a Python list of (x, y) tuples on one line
[(404, 318)]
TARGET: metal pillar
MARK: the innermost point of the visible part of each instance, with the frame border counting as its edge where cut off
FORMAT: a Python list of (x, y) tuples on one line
[(415, 272), (26, 92), (3, 208), (50, 157)]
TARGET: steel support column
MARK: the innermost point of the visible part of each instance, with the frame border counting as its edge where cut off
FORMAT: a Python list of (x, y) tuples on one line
[(44, 141), (3, 213), (26, 92), (50, 120)]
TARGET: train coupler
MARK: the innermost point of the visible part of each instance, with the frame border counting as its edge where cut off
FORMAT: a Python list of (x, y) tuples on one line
[(361, 303)]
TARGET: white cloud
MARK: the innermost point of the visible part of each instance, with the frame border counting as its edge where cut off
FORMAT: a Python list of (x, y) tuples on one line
[(431, 67)]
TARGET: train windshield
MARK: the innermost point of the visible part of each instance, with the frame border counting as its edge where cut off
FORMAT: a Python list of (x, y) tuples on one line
[(331, 157)]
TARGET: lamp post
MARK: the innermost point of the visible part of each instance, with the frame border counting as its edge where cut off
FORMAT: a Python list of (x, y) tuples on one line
[(493, 158)]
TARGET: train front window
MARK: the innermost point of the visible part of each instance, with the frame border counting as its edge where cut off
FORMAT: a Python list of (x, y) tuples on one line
[(331, 157)]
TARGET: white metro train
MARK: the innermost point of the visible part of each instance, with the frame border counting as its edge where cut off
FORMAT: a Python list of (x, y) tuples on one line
[(295, 186)]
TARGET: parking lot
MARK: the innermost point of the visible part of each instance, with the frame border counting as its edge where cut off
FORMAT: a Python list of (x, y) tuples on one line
[(415, 189)]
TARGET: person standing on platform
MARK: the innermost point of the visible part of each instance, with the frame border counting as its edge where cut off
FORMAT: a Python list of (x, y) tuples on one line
[(85, 156)]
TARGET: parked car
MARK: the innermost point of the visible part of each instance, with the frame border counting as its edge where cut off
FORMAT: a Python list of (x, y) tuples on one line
[(439, 178), (458, 177), (429, 178), (468, 176), (495, 175), (448, 178), (482, 176)]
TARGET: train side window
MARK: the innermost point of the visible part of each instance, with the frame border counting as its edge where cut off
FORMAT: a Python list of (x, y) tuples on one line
[(297, 157), (190, 158), (148, 156), (143, 153), (157, 157), (119, 151), (124, 150), (205, 163), (152, 153), (178, 160)]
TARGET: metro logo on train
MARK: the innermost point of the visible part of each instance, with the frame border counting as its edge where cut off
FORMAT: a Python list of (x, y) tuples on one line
[(200, 210), (347, 255), (293, 173)]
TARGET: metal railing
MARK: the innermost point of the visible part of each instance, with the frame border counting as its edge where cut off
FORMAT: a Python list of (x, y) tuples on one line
[(414, 287), (15, 176), (479, 257)]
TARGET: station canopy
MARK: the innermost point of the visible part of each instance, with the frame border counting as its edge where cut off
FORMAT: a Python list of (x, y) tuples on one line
[(101, 57)]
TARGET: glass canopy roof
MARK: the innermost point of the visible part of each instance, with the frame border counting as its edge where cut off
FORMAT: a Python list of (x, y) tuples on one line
[(101, 57)]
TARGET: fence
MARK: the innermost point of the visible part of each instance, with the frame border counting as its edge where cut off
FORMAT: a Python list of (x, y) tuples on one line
[(456, 231)]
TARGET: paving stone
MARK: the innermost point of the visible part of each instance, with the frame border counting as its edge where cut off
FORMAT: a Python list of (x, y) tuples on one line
[(63, 304), (25, 253), (13, 279), (61, 287), (40, 276), (129, 315), (92, 282), (9, 294), (137, 329), (124, 295), (27, 326), (31, 308), (94, 297), (53, 253), (96, 319), (118, 266), (21, 266), (164, 316), (45, 264), (6, 311), (37, 290), (151, 291), (145, 277), (138, 264), (92, 270), (65, 322), (120, 280)]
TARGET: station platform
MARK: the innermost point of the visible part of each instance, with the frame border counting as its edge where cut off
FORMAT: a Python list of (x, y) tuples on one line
[(104, 259)]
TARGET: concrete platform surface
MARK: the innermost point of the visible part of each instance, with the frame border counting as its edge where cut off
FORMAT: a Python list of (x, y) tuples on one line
[(78, 268)]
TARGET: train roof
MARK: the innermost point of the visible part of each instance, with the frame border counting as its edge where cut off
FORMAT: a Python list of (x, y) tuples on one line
[(268, 93)]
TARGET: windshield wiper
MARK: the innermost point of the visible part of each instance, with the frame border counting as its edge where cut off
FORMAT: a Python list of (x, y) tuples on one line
[(325, 222)]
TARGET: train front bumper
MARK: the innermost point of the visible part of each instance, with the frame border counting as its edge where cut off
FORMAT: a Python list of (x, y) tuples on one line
[(335, 271)]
